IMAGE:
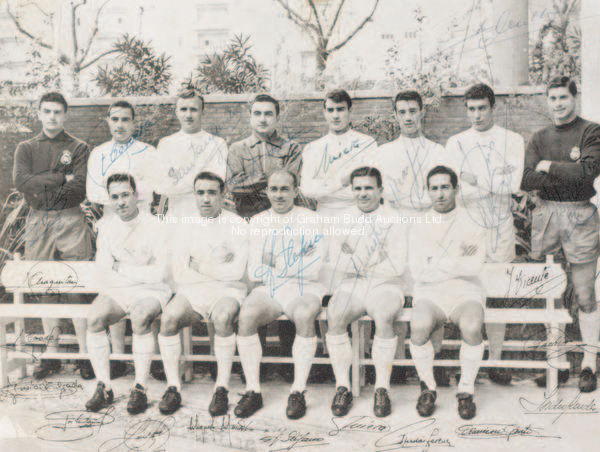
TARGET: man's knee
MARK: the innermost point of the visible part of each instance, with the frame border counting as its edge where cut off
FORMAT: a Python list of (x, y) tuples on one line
[(141, 319), (169, 322), (305, 314), (97, 322), (223, 317), (421, 324), (471, 323)]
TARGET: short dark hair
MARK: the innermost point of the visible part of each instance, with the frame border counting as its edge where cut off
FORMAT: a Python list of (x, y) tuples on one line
[(338, 95), (367, 171), (440, 169), (121, 177), (190, 93), (481, 91), (207, 175), (266, 98), (408, 96), (54, 97), (122, 104), (562, 82), (292, 175)]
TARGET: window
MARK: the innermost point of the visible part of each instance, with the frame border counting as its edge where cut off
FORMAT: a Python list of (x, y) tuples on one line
[(212, 14)]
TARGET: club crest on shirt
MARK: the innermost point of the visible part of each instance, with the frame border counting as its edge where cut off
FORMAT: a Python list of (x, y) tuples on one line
[(575, 153), (65, 158)]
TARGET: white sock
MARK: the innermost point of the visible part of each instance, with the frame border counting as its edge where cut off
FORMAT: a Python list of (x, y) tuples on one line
[(143, 349), (250, 354), (303, 352), (99, 351), (170, 351), (383, 352), (470, 359), (340, 354), (422, 355), (589, 325), (224, 351)]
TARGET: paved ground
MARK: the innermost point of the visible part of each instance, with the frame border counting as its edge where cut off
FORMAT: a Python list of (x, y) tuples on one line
[(47, 416)]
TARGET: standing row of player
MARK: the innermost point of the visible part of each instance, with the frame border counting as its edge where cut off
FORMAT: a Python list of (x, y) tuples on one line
[(560, 165)]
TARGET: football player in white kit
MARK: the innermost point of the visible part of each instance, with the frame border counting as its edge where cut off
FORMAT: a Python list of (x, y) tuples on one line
[(404, 163), (445, 260), (489, 160), (328, 161), (184, 154), (122, 154), (131, 269), (369, 255), (286, 253), (209, 261)]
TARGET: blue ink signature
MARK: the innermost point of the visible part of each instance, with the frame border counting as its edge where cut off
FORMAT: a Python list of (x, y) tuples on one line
[(179, 173), (291, 259), (117, 151), (327, 160)]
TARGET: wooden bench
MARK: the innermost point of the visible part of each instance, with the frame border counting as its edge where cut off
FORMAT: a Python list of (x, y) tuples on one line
[(534, 281)]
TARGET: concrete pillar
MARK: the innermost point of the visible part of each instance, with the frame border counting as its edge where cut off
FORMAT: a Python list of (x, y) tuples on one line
[(590, 60), (508, 42)]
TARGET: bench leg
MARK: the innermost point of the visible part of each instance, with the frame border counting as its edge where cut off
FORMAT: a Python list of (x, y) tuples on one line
[(19, 331), (3, 355), (355, 377), (187, 350), (553, 336)]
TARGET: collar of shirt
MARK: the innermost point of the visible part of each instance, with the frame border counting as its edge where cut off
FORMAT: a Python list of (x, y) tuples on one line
[(62, 136), (274, 140)]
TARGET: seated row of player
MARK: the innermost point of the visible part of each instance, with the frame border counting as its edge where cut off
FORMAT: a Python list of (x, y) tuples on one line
[(284, 249)]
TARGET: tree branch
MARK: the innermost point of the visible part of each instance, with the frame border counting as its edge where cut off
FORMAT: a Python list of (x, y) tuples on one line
[(356, 30), (335, 19), (96, 58), (24, 32), (37, 7), (74, 28), (296, 18), (319, 27), (93, 34)]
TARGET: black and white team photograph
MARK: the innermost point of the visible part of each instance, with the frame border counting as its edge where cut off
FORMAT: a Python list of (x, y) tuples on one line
[(321, 225)]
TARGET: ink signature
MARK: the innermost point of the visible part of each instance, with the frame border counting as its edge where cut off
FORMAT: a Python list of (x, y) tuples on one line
[(559, 407), (355, 148), (505, 431), (73, 425), (33, 390), (285, 439), (292, 256), (117, 151), (359, 424), (149, 434), (418, 434)]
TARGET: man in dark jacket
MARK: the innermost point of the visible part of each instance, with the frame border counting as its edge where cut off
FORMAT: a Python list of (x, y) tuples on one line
[(561, 163), (50, 171)]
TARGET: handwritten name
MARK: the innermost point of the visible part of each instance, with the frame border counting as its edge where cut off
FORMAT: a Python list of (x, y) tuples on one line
[(290, 264), (504, 431), (289, 439), (73, 425), (149, 434), (28, 390), (404, 437), (551, 405), (359, 424), (117, 151)]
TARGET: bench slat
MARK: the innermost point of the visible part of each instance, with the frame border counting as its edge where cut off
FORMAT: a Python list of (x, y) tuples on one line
[(509, 315)]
